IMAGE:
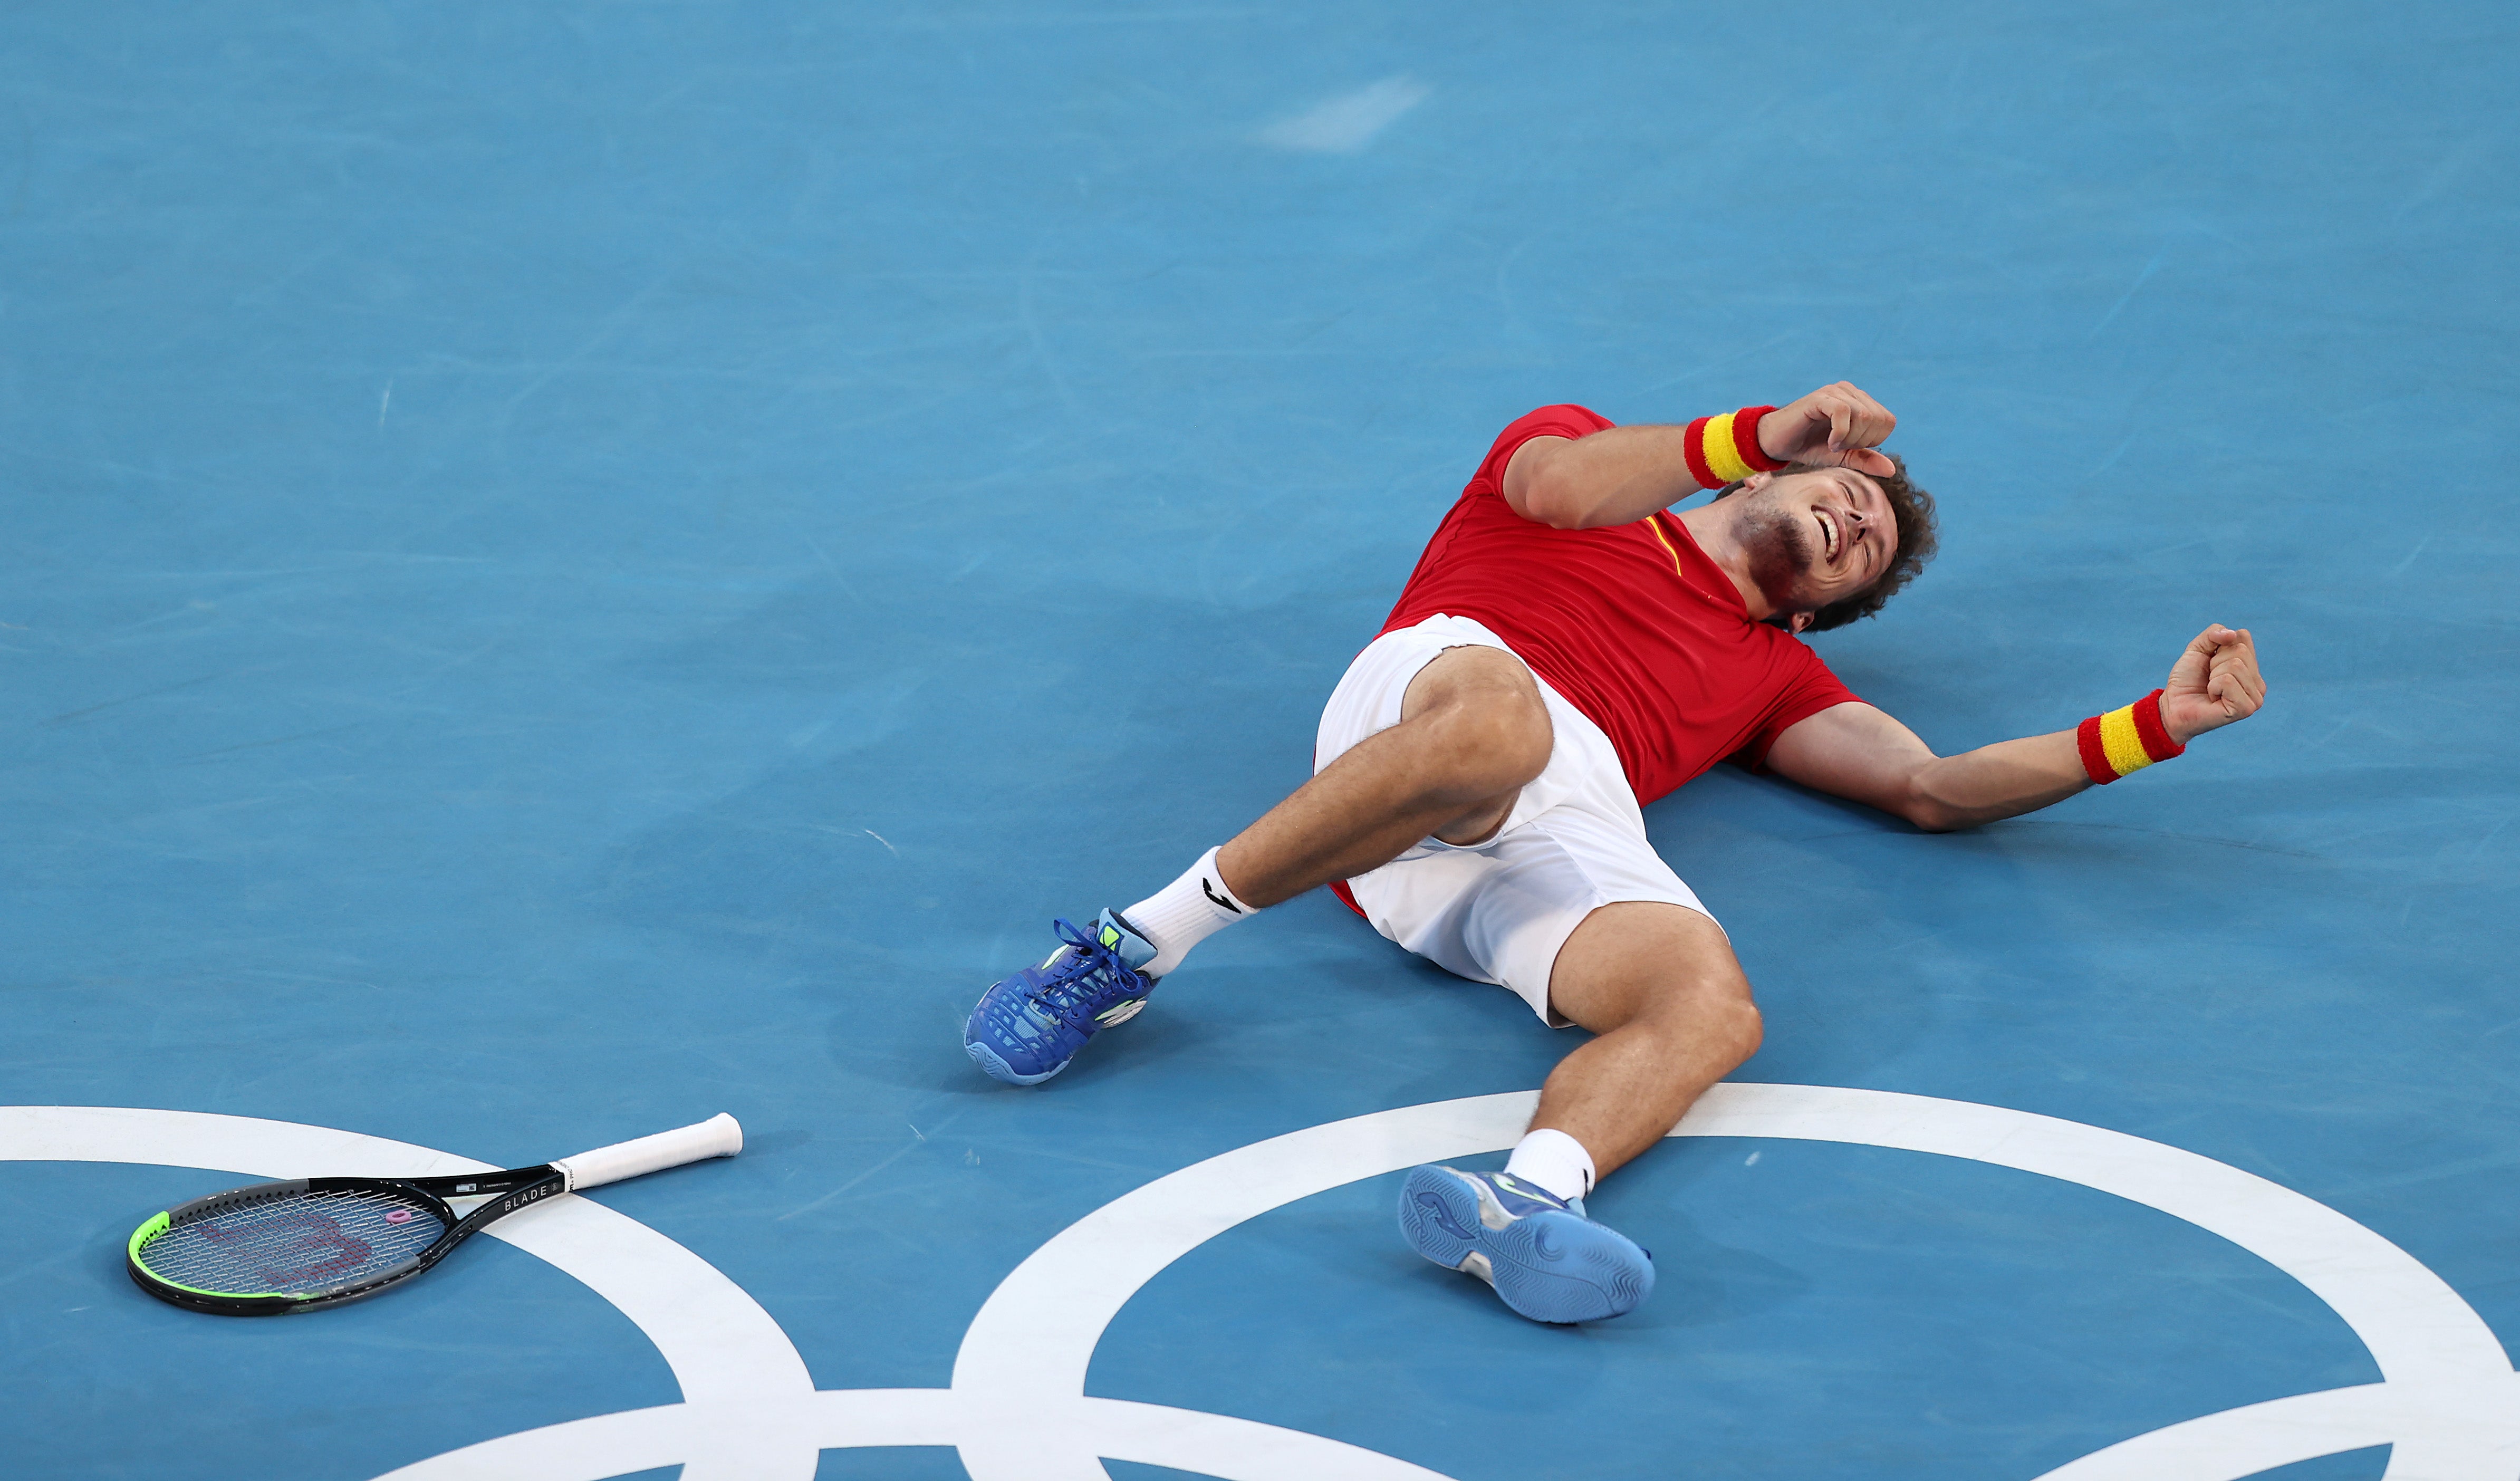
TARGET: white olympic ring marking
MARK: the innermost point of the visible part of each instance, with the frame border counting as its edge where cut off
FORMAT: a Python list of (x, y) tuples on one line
[(2450, 1405)]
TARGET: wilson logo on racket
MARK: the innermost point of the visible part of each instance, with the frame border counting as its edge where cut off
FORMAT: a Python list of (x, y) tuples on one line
[(293, 1246)]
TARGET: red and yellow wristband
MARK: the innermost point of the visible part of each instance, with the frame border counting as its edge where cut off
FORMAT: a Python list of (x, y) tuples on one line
[(1724, 449), (2124, 740)]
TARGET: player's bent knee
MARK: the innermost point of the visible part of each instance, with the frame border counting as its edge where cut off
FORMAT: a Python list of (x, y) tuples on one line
[(1512, 741), (1489, 742), (1748, 1028), (1481, 716), (1720, 1017)]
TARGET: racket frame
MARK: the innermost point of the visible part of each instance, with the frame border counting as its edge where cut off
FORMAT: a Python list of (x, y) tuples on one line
[(503, 1194), (507, 1192)]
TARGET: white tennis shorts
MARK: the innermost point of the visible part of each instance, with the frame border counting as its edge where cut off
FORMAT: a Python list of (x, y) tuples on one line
[(1498, 910)]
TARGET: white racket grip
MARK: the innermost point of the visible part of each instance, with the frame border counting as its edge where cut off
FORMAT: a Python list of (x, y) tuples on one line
[(716, 1136)]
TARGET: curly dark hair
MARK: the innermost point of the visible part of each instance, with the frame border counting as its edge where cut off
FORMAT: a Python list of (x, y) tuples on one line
[(1912, 511)]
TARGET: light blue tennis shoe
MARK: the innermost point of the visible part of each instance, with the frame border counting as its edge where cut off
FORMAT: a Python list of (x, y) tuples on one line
[(1543, 1256), (1029, 1026)]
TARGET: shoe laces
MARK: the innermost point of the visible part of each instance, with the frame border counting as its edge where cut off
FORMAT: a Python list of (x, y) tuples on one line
[(1069, 991)]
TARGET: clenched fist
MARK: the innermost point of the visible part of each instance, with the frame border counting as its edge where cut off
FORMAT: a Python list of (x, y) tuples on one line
[(2212, 684)]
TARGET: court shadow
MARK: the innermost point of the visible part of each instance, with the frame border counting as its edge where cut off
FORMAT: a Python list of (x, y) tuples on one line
[(1700, 1281)]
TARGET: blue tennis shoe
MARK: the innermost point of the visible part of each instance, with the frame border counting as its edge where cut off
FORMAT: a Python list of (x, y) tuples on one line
[(1543, 1256), (1029, 1026)]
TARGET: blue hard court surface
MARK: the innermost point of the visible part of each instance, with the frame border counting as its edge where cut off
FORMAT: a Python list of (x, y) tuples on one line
[(571, 567)]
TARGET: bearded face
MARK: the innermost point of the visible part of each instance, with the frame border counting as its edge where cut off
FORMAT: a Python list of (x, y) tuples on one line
[(1780, 548), (1813, 537)]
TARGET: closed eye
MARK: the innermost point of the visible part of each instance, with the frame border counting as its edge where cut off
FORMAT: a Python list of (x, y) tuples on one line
[(1873, 534)]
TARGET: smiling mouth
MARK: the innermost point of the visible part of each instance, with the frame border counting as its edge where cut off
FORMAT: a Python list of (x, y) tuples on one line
[(1828, 536)]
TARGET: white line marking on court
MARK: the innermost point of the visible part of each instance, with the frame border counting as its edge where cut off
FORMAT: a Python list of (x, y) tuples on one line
[(1150, 1434), (2259, 1437), (1028, 1348), (1018, 1411), (1346, 123)]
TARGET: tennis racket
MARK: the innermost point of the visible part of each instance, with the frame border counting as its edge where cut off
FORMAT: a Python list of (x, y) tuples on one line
[(279, 1248)]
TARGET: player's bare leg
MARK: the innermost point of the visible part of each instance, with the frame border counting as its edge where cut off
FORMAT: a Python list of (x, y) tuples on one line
[(1472, 732), (1659, 985)]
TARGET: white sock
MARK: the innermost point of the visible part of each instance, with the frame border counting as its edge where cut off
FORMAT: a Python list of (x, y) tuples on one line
[(1185, 913), (1553, 1161)]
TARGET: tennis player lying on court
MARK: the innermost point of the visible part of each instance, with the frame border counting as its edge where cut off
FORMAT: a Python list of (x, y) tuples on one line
[(1566, 650)]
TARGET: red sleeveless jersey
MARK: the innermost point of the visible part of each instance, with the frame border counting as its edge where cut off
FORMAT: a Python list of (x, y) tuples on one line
[(1632, 624)]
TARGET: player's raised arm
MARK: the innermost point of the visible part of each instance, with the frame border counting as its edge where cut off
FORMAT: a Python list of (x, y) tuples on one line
[(1624, 474), (1857, 751)]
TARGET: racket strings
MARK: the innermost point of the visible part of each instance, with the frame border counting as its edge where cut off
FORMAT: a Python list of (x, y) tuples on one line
[(300, 1244)]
